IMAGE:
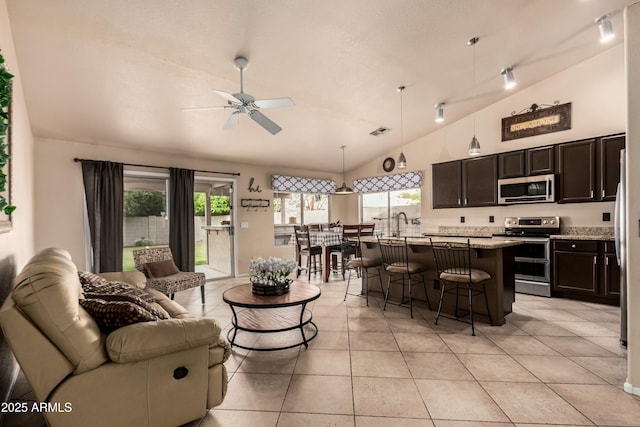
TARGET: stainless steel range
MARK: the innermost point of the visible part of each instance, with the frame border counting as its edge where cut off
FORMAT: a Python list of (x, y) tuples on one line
[(533, 256)]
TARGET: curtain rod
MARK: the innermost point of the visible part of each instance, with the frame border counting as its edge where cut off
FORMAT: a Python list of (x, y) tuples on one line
[(165, 167)]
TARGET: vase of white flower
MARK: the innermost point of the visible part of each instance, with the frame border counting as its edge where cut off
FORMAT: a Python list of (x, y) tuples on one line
[(270, 276)]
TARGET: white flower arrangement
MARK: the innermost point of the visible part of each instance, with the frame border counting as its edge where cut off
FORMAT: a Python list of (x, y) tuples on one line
[(272, 270)]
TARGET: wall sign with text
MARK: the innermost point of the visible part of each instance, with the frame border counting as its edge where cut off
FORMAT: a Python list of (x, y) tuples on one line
[(537, 121)]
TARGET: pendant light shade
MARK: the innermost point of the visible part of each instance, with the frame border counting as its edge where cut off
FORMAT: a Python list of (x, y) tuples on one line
[(343, 189), (605, 29), (402, 160), (474, 145)]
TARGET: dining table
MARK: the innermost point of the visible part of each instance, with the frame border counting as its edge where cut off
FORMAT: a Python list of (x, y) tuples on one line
[(327, 240)]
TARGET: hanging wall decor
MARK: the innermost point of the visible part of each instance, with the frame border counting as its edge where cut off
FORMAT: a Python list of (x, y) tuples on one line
[(6, 208), (537, 120)]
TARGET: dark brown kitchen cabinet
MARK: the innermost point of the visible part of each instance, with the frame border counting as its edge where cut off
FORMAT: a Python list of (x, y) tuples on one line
[(589, 169), (511, 164), (609, 165), (447, 184), (534, 161), (480, 181), (586, 270), (577, 171), (541, 160), (466, 183)]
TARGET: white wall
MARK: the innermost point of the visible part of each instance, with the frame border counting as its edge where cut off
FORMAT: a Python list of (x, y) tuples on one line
[(596, 88), (60, 198), (16, 246)]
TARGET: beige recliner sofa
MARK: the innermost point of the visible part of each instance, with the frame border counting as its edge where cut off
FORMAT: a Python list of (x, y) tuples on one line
[(159, 373)]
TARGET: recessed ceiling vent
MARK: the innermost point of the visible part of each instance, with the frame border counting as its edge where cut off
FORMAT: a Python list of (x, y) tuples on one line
[(380, 131)]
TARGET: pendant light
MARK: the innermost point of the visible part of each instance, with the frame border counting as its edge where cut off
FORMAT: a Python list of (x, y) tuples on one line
[(474, 145), (402, 160), (343, 188)]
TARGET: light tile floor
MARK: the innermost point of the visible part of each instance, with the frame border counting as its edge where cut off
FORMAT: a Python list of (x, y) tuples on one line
[(555, 362)]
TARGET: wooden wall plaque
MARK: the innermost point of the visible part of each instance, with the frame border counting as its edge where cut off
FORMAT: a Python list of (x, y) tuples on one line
[(537, 121)]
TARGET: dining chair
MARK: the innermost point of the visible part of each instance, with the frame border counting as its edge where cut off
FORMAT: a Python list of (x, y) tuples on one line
[(367, 229), (402, 271), (315, 227), (367, 260), (340, 254), (304, 248), (453, 265)]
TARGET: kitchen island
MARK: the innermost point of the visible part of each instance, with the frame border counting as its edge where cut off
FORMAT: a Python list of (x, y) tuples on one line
[(491, 255)]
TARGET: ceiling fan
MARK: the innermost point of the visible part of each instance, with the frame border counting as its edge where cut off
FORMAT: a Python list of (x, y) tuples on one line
[(244, 103)]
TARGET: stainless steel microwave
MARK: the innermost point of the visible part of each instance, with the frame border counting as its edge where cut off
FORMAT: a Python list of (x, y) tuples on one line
[(526, 189)]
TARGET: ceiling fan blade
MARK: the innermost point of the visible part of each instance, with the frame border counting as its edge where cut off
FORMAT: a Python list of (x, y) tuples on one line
[(273, 103), (232, 121), (264, 121), (228, 96), (204, 108)]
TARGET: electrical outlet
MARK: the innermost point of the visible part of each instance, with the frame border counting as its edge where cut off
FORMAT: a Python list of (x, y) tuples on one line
[(606, 216), (492, 218), (461, 219)]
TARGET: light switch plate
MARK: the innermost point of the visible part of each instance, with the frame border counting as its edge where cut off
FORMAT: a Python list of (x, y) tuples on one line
[(244, 224)]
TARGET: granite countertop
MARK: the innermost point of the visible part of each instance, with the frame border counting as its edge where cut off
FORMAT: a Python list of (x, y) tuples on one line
[(607, 237), (475, 243)]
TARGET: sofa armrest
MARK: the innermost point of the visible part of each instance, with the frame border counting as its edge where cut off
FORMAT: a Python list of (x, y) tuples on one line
[(142, 341)]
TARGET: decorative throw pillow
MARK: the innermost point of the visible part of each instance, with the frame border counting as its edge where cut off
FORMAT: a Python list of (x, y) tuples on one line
[(111, 315), (90, 280), (161, 268), (94, 284), (157, 311)]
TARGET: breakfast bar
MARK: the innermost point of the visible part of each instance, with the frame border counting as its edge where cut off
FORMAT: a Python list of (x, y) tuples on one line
[(491, 255)]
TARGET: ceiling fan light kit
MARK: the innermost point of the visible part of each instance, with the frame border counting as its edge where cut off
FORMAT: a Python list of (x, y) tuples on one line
[(244, 103)]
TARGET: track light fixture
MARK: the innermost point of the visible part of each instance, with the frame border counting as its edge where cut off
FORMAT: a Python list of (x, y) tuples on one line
[(402, 160), (605, 29), (440, 112), (509, 80)]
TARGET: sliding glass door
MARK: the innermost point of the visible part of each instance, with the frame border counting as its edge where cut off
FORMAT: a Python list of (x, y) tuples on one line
[(214, 227)]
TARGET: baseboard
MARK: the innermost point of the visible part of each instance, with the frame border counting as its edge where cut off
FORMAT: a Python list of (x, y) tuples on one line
[(631, 389)]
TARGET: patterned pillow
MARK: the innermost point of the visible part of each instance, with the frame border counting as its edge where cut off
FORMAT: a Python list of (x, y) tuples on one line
[(94, 284), (111, 315), (157, 311)]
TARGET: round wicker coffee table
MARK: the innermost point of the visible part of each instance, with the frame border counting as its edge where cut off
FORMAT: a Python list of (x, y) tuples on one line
[(271, 314)]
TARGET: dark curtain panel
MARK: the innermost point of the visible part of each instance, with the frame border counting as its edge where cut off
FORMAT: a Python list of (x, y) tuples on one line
[(103, 189), (181, 228)]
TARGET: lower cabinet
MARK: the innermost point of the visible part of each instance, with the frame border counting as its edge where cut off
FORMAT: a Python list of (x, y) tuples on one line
[(586, 270)]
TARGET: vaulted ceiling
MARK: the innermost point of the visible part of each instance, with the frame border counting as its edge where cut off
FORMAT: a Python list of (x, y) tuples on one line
[(120, 72)]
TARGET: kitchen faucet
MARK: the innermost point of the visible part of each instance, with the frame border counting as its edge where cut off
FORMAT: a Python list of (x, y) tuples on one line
[(406, 221)]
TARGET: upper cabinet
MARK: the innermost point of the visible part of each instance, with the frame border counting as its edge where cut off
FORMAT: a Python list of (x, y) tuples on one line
[(541, 160), (586, 171), (534, 161), (447, 184), (480, 181), (589, 169), (609, 165), (465, 183)]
